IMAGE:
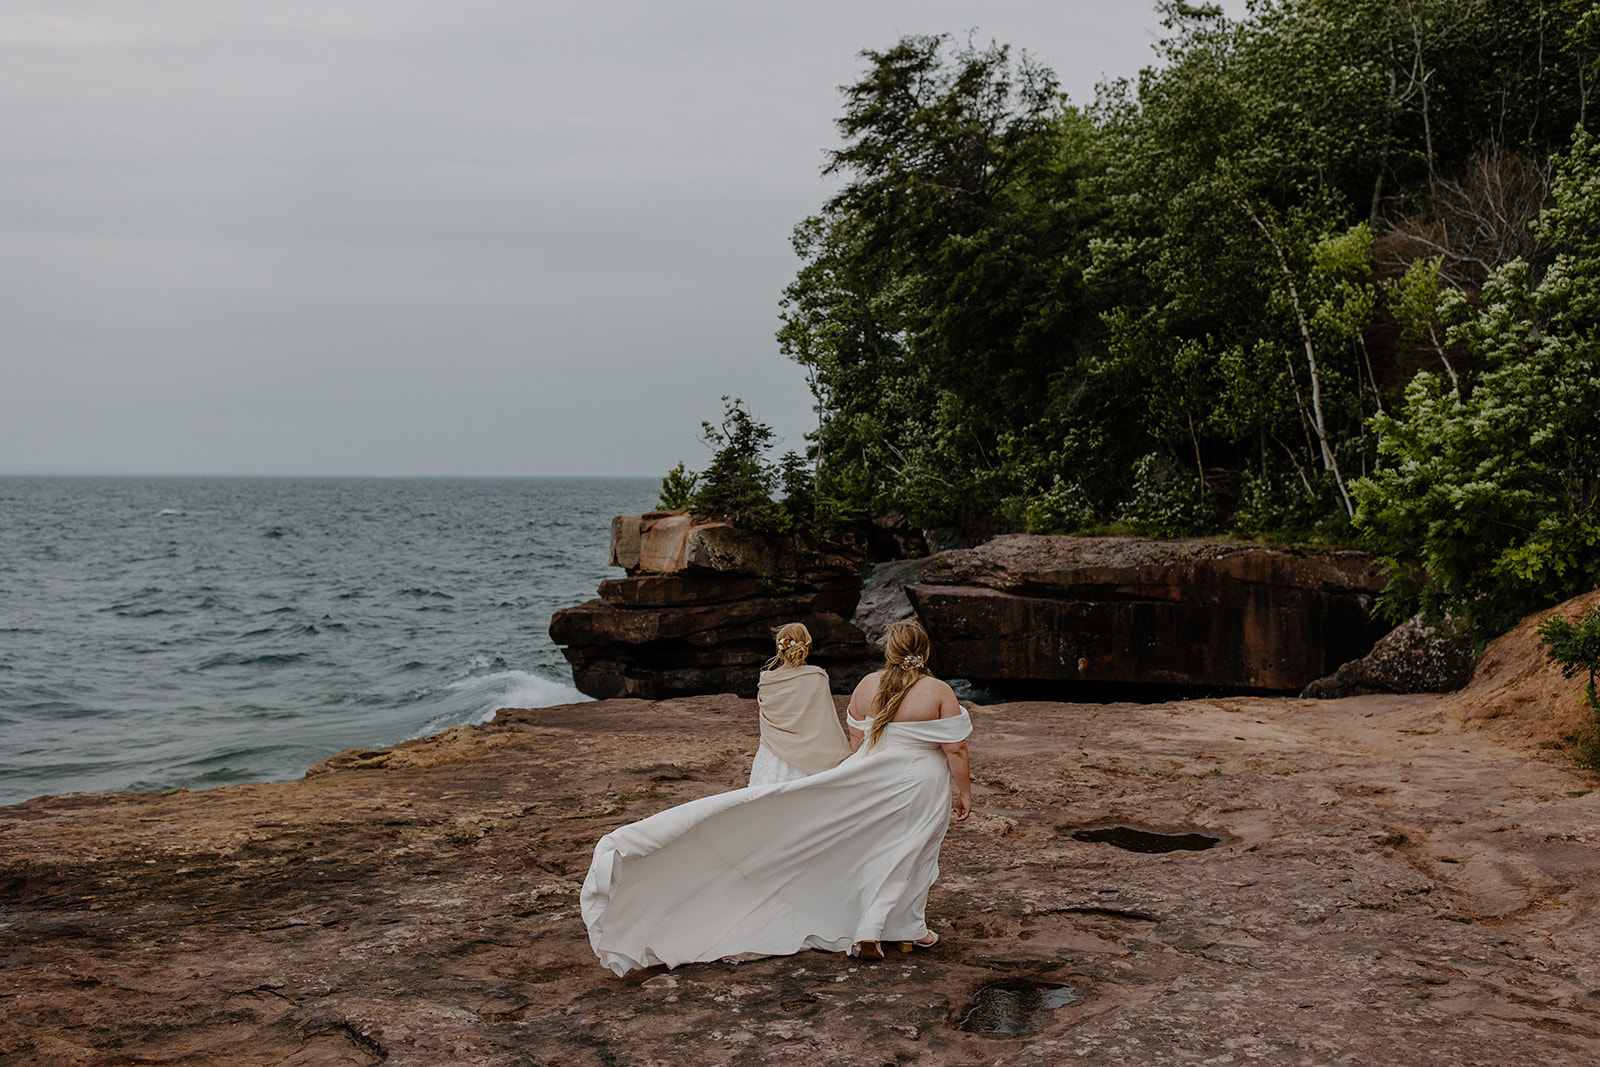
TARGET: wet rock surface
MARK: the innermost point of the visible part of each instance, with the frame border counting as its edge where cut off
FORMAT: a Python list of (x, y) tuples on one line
[(1397, 879)]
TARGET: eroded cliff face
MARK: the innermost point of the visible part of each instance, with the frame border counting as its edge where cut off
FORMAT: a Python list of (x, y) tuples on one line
[(1132, 611), (1395, 879), (700, 601), (699, 604)]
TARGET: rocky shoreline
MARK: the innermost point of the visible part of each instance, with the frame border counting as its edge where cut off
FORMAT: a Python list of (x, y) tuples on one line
[(1396, 878), (1054, 617)]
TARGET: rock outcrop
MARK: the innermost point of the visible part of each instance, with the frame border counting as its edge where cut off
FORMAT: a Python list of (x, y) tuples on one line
[(1414, 657), (1397, 879), (884, 599), (700, 600), (697, 609), (1131, 611)]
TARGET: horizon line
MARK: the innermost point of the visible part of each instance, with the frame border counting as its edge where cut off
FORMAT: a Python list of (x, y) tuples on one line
[(414, 477)]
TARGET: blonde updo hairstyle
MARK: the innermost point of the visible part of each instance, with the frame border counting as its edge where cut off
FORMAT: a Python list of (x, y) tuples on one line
[(905, 661), (794, 645)]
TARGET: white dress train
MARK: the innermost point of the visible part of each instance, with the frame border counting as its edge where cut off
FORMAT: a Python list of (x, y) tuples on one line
[(842, 856)]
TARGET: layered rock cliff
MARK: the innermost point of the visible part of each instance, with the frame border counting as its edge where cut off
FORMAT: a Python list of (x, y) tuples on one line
[(696, 611), (700, 600), (1132, 611)]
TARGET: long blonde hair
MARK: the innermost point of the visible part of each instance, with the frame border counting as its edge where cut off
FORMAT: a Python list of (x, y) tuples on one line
[(794, 645), (905, 661)]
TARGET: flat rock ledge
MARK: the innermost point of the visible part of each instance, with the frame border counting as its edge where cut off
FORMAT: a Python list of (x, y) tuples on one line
[(1404, 879), (1043, 615)]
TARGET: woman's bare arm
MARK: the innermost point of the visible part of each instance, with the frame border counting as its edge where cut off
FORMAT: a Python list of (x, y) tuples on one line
[(860, 699), (960, 774)]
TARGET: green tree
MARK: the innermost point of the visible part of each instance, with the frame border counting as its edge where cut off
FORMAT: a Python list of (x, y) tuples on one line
[(940, 290), (677, 489), (737, 486), (1414, 303), (1236, 313), (1011, 302), (1250, 181), (1495, 494)]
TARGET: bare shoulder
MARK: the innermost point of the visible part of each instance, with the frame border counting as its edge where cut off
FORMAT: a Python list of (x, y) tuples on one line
[(868, 685), (925, 700), (949, 706), (861, 698)]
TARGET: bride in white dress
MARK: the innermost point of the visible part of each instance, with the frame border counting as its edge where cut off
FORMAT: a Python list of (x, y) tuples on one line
[(800, 731), (840, 861)]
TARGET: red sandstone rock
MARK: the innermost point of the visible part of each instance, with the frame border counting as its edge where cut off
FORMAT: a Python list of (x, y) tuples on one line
[(698, 608), (662, 591), (1123, 611), (1140, 612)]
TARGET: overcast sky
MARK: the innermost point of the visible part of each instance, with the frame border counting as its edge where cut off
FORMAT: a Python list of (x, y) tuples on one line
[(430, 237)]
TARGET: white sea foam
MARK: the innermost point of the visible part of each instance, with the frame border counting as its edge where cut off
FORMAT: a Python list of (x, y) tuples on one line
[(473, 701), (517, 689)]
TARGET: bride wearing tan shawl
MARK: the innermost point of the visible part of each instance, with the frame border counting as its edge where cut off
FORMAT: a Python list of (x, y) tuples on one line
[(800, 729)]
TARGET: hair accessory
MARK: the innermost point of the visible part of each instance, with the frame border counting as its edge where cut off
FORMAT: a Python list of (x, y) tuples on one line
[(913, 661)]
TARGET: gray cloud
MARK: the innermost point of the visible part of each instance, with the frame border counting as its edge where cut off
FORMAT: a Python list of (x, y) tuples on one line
[(421, 238)]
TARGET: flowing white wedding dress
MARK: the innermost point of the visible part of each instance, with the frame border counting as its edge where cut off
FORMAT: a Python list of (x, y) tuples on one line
[(843, 856)]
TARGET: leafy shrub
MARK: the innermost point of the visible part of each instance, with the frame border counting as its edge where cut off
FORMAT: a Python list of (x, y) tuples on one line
[(739, 484), (1496, 493), (677, 489), (1063, 508), (1281, 505), (1168, 501)]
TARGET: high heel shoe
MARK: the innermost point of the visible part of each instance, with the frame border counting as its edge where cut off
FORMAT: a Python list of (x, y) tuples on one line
[(869, 950), (927, 940)]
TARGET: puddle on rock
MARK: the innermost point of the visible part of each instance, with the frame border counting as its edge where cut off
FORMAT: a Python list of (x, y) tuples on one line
[(1016, 1007), (1135, 840)]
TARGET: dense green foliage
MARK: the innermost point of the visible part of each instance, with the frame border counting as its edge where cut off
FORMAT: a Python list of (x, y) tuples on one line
[(1283, 284), (1497, 492), (943, 284)]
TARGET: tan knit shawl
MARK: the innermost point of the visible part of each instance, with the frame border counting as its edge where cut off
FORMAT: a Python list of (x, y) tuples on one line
[(799, 722)]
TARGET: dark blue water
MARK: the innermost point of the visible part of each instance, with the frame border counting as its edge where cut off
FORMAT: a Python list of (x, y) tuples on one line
[(164, 632)]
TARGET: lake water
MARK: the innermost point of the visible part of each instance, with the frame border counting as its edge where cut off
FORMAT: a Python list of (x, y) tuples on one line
[(165, 632)]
